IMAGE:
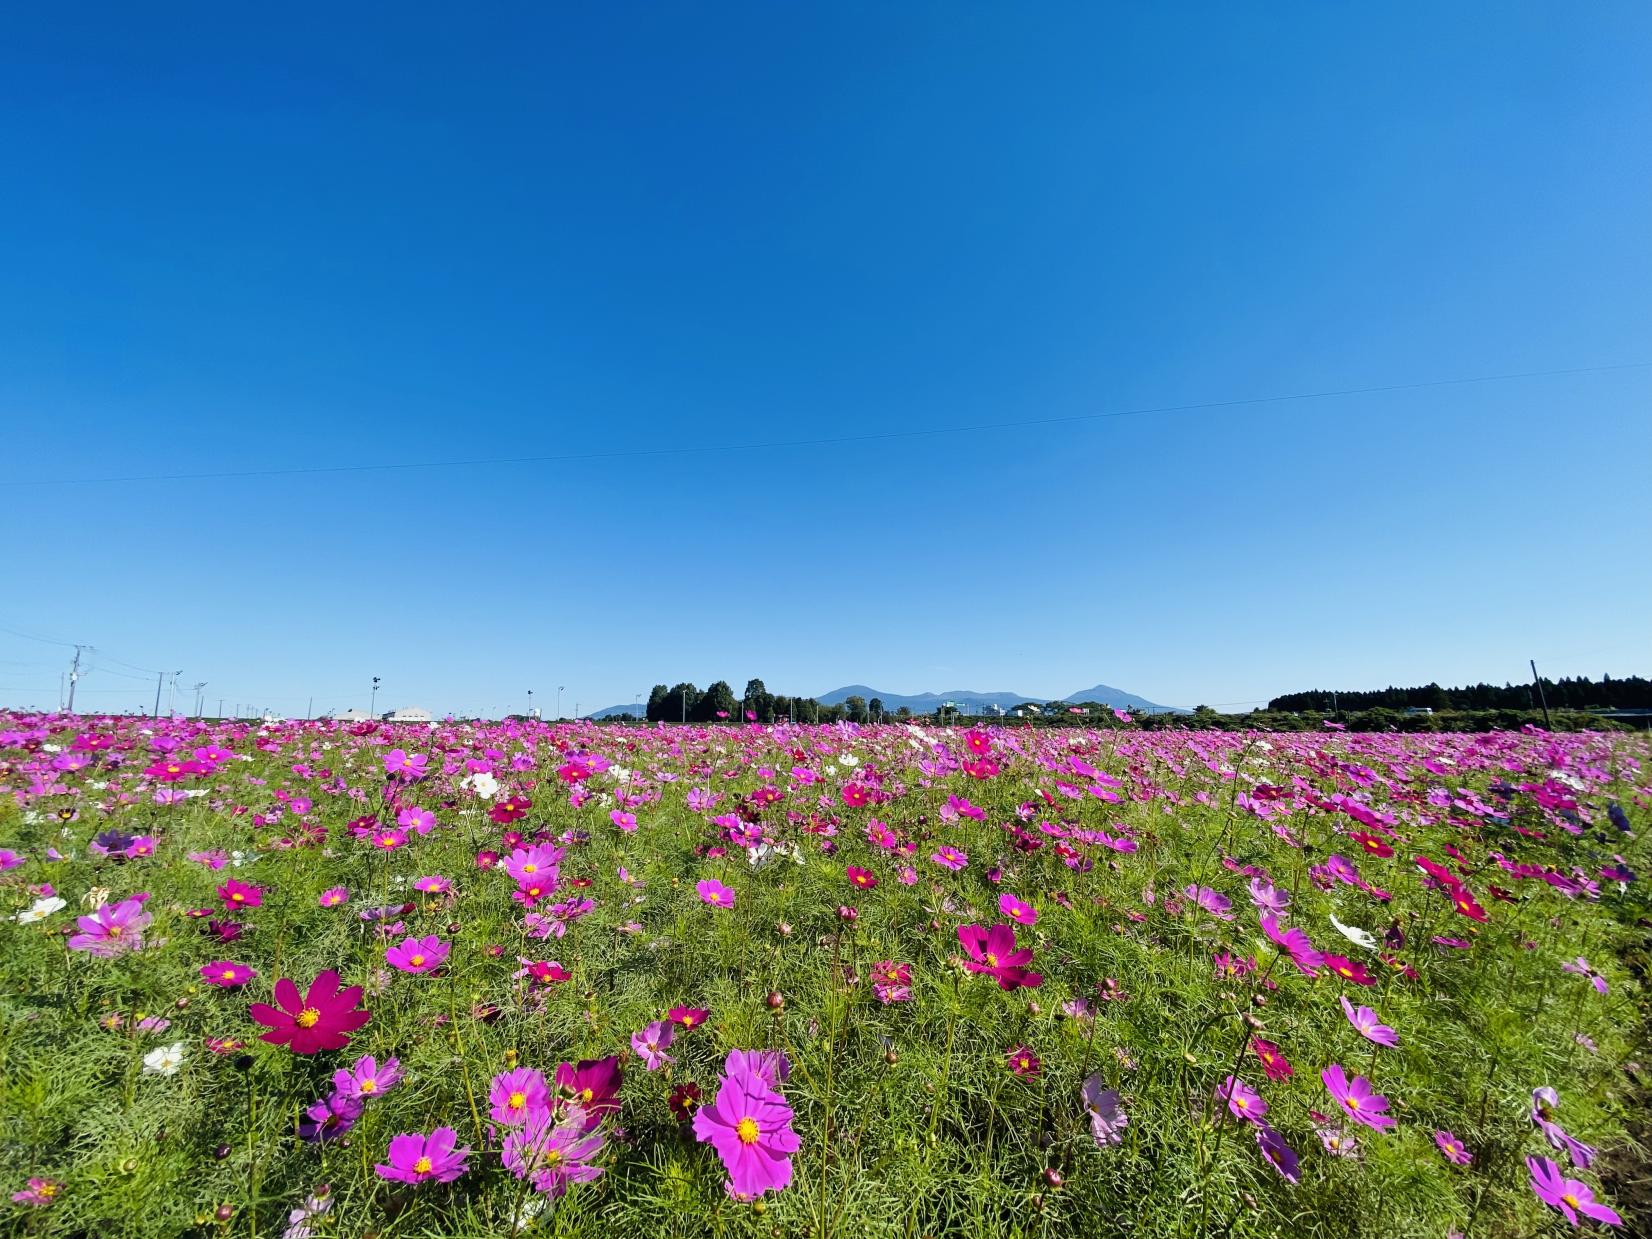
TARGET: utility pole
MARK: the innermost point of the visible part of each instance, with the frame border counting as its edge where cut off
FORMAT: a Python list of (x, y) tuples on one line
[(199, 702), (1543, 700), (373, 706), (74, 674), (309, 710), (160, 678), (559, 690), (530, 703), (220, 707)]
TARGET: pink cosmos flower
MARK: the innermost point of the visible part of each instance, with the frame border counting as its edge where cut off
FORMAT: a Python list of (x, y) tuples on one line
[(552, 1153), (367, 1080), (515, 1095), (625, 821), (1107, 1117), (406, 765), (879, 835), (333, 896), (1569, 1196), (1295, 944), (1356, 1097), (992, 952), (112, 929), (949, 857), (715, 893), (891, 981), (1365, 1022), (1279, 1155), (907, 876), (750, 1126), (1015, 910), (389, 838), (1244, 1102), (226, 974), (417, 1158), (1452, 1148), (418, 954), (651, 1044), (433, 885), (421, 820), (537, 863), (1213, 902), (38, 1193)]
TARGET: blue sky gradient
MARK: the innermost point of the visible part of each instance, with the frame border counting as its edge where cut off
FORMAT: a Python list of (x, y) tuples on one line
[(243, 239)]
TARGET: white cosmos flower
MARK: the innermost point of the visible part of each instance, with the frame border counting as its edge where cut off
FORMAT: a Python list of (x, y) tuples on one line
[(40, 909), (483, 784), (1355, 935), (848, 759), (164, 1061)]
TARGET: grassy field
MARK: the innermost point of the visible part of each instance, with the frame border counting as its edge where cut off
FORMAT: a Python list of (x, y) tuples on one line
[(1448, 921)]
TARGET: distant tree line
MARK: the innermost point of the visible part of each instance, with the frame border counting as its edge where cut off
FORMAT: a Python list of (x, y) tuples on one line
[(1631, 693), (686, 703)]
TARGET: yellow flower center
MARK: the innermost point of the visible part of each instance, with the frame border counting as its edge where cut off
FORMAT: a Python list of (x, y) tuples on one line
[(688, 1021), (369, 1086), (1353, 1103), (1242, 1102), (309, 1017), (114, 931), (551, 1157), (747, 1130), (586, 1094), (517, 1101), (47, 1189), (417, 961), (228, 974), (422, 1166), (237, 897), (1570, 1199), (530, 867), (992, 960)]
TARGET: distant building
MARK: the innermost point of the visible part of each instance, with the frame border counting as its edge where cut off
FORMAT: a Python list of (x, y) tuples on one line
[(1418, 710), (408, 714)]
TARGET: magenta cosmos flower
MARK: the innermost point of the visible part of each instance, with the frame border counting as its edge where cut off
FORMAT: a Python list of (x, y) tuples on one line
[(367, 1080), (1295, 943), (992, 952), (333, 896), (553, 1154), (1452, 1148), (417, 1158), (516, 1094), (1367, 1024), (1279, 1154), (237, 894), (651, 1044), (689, 1017), (864, 879), (112, 929), (1356, 1097), (1015, 910), (226, 973), (417, 954), (950, 857), (1244, 1102), (750, 1126), (715, 893), (320, 1019), (1571, 1197), (1023, 1062), (407, 765)]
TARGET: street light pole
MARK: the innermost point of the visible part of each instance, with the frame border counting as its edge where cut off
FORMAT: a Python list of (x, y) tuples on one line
[(559, 690), (530, 703), (373, 703)]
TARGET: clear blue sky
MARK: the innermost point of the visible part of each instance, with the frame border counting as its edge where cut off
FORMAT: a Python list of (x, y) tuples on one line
[(256, 238)]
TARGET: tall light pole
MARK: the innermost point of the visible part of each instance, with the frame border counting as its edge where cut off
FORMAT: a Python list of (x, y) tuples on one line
[(530, 703), (198, 687), (373, 704), (559, 689)]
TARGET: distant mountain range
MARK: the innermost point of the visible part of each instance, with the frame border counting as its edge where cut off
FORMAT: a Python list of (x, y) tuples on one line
[(925, 703)]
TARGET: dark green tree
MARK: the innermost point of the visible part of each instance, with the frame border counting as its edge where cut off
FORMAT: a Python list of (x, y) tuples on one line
[(680, 702), (876, 707), (656, 703), (718, 698)]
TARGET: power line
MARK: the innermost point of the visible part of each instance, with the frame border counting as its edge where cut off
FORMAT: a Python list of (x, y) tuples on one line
[(836, 440)]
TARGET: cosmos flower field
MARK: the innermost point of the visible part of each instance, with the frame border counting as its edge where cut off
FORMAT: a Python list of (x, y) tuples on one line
[(316, 979)]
